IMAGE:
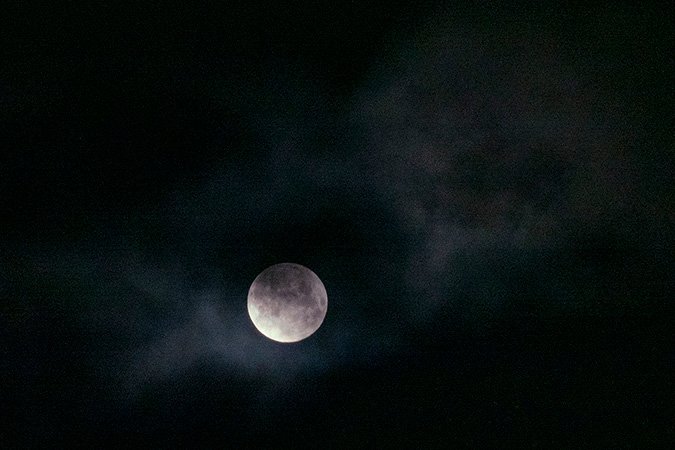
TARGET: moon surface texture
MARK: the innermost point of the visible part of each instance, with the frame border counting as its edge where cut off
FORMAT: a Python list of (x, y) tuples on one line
[(287, 302)]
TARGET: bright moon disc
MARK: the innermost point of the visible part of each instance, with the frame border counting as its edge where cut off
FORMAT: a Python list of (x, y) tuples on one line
[(287, 302)]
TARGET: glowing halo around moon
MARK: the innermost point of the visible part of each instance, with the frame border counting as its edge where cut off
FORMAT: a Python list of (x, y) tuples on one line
[(287, 302)]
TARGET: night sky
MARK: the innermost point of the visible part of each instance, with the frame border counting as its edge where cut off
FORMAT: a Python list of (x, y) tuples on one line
[(485, 190)]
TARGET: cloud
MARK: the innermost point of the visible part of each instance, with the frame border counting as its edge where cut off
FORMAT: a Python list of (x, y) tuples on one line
[(466, 158), (489, 142)]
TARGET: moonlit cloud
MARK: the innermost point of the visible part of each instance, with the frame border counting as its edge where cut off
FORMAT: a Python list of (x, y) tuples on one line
[(484, 150)]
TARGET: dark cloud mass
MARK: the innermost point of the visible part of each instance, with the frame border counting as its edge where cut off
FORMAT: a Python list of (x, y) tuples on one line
[(492, 141), (485, 192)]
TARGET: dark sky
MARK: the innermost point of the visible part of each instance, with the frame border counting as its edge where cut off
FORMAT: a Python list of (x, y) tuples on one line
[(485, 191)]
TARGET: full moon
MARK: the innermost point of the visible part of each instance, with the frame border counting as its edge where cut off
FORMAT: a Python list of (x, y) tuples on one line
[(287, 302)]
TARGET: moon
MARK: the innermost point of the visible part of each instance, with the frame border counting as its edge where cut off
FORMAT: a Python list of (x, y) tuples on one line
[(287, 302)]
